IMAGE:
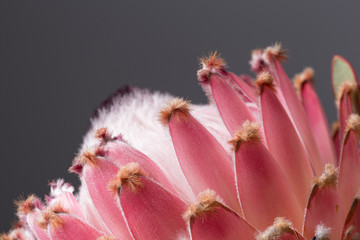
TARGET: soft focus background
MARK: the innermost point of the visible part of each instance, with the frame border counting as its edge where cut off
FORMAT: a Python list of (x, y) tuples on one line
[(60, 59)]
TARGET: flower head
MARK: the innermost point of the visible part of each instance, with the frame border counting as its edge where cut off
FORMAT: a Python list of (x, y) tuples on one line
[(257, 162)]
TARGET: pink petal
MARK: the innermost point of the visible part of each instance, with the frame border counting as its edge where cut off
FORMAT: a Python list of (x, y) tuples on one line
[(284, 145), (209, 219), (263, 188), (203, 160), (151, 211), (324, 206), (39, 232), (345, 109), (72, 229), (232, 108), (318, 123), (96, 177), (121, 154), (245, 86), (352, 222), (70, 203), (91, 213), (349, 177), (296, 113), (336, 141)]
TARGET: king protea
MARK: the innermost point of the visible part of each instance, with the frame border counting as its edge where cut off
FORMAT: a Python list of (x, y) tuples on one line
[(257, 162)]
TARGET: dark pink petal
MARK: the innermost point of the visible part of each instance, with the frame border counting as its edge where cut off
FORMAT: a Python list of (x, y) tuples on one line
[(324, 206), (284, 143), (203, 160), (345, 110), (96, 177), (337, 141), (263, 188), (151, 211), (71, 228), (296, 113), (232, 108), (121, 154), (209, 219), (352, 222), (316, 116), (349, 177), (246, 86)]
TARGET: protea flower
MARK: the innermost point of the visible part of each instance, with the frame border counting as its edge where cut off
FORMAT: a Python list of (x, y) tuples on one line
[(257, 162)]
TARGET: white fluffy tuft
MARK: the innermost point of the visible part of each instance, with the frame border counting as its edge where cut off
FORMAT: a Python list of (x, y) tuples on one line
[(322, 232), (59, 186)]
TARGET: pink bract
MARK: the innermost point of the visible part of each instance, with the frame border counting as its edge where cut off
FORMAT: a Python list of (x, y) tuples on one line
[(257, 162)]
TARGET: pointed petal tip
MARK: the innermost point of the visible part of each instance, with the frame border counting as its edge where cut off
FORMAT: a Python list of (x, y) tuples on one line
[(128, 175), (256, 61), (260, 58), (276, 230), (264, 79), (334, 128), (25, 206), (248, 132), (50, 217), (307, 75), (347, 87), (212, 63), (349, 231), (275, 52), (207, 201), (328, 178), (103, 135), (177, 107), (353, 123), (87, 157)]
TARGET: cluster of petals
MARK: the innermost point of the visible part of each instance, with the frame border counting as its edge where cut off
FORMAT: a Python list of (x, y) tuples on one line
[(257, 162)]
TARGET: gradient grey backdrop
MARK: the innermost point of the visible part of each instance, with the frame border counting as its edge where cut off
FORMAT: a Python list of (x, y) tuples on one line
[(60, 59)]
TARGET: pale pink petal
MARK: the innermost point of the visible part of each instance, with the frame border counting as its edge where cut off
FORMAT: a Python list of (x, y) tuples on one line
[(121, 154), (96, 177), (71, 228), (70, 203), (89, 210), (32, 221)]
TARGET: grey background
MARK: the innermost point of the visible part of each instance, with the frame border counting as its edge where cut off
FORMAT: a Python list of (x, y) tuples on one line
[(60, 59)]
